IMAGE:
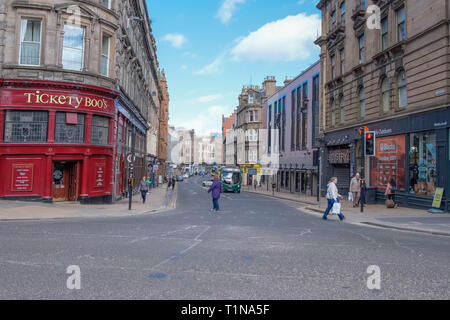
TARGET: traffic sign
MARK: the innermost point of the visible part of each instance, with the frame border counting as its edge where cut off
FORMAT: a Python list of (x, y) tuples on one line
[(131, 158)]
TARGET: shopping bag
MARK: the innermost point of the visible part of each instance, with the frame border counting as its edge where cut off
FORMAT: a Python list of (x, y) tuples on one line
[(350, 196), (336, 208)]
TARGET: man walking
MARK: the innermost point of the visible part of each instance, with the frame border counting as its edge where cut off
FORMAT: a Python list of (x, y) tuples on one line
[(355, 189), (216, 189), (143, 187)]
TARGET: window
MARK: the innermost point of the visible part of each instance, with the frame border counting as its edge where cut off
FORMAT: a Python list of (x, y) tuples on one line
[(299, 117), (423, 163), (106, 4), (385, 90), (270, 130), (342, 109), (30, 42), (333, 67), (342, 57), (384, 34), (401, 35), (363, 4), (362, 103), (73, 48), (293, 120), (100, 130), (104, 67), (361, 49), (333, 17), (343, 12), (315, 109), (402, 91), (251, 99), (26, 126), (304, 128), (69, 127), (283, 133), (251, 135), (333, 113)]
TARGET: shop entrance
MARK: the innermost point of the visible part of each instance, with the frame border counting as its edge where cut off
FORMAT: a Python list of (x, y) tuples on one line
[(65, 181)]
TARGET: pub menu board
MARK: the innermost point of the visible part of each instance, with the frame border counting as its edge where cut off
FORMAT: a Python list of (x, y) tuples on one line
[(22, 178), (389, 162), (100, 175)]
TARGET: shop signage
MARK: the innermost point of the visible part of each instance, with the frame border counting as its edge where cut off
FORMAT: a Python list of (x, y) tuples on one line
[(438, 197), (22, 178), (339, 156), (45, 98)]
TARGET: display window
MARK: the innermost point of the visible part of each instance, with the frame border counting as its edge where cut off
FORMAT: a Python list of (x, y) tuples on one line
[(423, 163)]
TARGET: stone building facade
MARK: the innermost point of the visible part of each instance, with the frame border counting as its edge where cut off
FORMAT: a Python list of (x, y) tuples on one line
[(163, 124), (388, 73)]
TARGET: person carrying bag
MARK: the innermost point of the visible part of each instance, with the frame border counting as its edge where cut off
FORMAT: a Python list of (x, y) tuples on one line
[(333, 197)]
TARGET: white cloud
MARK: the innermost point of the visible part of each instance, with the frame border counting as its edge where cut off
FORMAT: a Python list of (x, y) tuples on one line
[(206, 99), (227, 8), (206, 122), (215, 67), (288, 39), (175, 39)]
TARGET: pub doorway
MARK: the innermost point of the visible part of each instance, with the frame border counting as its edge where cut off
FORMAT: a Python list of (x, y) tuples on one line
[(65, 181)]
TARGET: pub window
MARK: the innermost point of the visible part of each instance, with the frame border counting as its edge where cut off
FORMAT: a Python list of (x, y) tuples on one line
[(104, 67), (69, 127), (26, 126), (100, 130), (342, 109), (30, 42), (73, 47)]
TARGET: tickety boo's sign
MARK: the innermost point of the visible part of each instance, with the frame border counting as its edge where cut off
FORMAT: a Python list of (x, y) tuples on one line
[(56, 98)]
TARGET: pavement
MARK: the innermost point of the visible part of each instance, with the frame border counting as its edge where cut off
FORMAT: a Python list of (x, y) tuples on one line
[(255, 248), (159, 199), (401, 218)]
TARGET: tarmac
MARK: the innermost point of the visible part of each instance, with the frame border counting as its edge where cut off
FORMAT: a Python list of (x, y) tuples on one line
[(375, 215), (159, 199)]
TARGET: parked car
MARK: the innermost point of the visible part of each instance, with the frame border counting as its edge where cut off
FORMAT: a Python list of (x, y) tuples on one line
[(179, 178), (207, 183), (186, 176)]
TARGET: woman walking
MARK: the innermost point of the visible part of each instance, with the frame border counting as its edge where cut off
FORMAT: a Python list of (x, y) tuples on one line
[(332, 196), (143, 187), (390, 191), (216, 189)]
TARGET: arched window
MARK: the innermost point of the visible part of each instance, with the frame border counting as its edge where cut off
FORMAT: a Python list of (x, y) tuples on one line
[(401, 90), (385, 90), (362, 102), (333, 112), (342, 109)]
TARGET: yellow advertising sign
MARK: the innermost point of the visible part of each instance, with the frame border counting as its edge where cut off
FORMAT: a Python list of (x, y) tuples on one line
[(438, 197)]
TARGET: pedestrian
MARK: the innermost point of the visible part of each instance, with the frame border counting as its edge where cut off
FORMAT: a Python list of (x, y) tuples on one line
[(255, 183), (149, 182), (215, 189), (173, 182), (390, 191), (333, 196), (143, 188), (355, 189)]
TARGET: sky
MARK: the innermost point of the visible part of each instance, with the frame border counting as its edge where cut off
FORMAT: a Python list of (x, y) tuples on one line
[(209, 49)]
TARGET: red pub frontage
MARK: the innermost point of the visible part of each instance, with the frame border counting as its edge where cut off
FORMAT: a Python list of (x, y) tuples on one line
[(56, 141)]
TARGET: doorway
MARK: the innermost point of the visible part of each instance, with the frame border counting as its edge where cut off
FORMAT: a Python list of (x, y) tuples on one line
[(65, 181)]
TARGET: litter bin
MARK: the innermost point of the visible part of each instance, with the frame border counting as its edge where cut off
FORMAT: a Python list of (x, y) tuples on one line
[(371, 195)]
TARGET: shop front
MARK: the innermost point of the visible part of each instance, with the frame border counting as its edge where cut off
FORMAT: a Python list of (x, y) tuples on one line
[(56, 141), (413, 151)]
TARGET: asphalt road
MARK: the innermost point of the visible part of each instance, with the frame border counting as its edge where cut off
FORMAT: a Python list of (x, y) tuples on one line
[(255, 248)]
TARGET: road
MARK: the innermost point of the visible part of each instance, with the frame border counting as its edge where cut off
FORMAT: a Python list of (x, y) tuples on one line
[(255, 248)]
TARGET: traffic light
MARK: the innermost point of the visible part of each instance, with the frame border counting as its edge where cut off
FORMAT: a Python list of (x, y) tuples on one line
[(369, 143)]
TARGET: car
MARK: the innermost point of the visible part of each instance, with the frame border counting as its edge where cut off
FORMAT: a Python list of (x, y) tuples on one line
[(186, 176), (180, 178), (207, 183)]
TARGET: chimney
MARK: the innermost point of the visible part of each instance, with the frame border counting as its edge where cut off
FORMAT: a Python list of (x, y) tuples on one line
[(287, 81), (270, 85)]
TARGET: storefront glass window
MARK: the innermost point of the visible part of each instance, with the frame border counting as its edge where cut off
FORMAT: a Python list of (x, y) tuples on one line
[(100, 130), (69, 128), (26, 126), (422, 166), (388, 163)]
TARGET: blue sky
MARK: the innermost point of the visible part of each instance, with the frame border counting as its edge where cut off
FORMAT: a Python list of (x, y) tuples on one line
[(211, 48)]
